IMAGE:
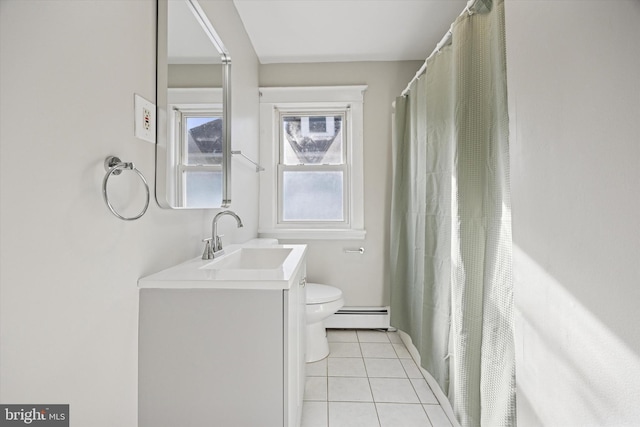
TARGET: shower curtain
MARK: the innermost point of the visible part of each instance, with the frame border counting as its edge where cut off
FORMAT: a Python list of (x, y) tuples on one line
[(451, 220)]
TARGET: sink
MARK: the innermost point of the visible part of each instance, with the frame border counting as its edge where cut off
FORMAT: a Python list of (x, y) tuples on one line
[(256, 264), (250, 259)]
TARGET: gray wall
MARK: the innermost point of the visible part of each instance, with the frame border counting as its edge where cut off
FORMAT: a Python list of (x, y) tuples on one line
[(363, 279), (575, 166), (195, 75), (68, 296), (69, 269)]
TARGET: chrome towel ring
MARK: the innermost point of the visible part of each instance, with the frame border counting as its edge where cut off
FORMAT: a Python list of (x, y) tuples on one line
[(114, 166)]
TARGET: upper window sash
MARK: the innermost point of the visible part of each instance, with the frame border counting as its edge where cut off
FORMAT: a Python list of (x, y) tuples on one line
[(297, 127), (182, 117)]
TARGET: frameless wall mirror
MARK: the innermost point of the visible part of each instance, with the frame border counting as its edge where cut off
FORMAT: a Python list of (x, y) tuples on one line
[(193, 93)]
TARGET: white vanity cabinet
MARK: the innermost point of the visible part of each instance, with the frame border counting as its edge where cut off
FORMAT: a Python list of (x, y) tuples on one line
[(222, 356)]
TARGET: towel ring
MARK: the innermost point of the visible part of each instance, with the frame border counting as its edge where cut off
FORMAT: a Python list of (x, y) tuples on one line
[(114, 166)]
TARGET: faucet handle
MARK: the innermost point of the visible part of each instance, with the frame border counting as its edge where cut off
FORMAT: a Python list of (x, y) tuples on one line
[(208, 250)]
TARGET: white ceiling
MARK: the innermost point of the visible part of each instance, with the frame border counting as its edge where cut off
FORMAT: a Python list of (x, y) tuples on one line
[(288, 31)]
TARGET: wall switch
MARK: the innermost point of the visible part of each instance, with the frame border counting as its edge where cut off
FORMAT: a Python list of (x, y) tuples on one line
[(145, 119)]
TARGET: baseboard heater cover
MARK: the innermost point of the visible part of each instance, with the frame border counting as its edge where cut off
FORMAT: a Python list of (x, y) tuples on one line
[(359, 318)]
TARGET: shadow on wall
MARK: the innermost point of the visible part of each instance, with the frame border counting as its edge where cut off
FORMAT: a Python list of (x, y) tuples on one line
[(571, 369)]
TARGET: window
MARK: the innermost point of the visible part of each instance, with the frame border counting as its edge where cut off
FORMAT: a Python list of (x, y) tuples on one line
[(196, 153), (199, 165), (311, 147), (312, 168)]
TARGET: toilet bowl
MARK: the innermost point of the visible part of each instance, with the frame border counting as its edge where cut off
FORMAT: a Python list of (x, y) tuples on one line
[(322, 301)]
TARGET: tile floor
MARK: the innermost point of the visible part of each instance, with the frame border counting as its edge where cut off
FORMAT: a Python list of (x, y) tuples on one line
[(368, 380)]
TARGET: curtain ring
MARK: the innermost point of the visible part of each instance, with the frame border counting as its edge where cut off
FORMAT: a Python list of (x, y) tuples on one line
[(114, 166)]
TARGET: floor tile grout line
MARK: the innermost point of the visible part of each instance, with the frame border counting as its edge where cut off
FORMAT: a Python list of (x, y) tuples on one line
[(405, 369), (429, 386), (374, 400), (326, 382), (328, 414), (375, 406)]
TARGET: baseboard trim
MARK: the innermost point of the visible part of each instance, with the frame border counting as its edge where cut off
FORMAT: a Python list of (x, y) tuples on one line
[(435, 387), (359, 318)]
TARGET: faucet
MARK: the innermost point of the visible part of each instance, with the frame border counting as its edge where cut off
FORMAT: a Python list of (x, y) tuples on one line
[(213, 246)]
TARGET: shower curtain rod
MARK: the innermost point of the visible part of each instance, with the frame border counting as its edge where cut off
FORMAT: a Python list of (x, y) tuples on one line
[(439, 46)]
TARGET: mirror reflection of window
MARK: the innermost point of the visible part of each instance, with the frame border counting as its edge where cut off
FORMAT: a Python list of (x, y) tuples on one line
[(199, 176), (203, 141), (202, 189)]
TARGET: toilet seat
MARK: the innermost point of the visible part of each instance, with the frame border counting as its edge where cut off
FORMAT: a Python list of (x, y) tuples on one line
[(320, 294)]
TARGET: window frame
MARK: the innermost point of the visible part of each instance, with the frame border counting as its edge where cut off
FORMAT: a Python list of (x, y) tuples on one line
[(308, 101)]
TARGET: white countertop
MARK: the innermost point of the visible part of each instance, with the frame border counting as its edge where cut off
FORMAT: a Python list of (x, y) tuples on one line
[(197, 274)]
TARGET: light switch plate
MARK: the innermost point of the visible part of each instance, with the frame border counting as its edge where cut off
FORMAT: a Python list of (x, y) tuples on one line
[(145, 119)]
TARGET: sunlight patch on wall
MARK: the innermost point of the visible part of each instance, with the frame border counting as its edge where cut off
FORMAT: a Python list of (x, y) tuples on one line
[(570, 369)]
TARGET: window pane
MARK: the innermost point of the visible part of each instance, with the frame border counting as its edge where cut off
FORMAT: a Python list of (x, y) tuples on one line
[(312, 139), (312, 196), (204, 140), (203, 189)]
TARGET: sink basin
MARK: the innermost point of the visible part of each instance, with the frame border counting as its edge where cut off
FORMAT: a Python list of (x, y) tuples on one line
[(256, 264), (250, 259)]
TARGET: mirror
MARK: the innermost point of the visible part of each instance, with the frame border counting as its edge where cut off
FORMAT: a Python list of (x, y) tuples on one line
[(193, 94)]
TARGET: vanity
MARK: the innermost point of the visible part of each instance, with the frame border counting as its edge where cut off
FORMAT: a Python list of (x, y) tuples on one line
[(222, 341)]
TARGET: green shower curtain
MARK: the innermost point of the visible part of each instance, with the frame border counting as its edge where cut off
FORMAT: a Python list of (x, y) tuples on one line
[(451, 220)]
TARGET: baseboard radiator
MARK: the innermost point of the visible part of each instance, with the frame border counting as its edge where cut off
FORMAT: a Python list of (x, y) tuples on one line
[(359, 318)]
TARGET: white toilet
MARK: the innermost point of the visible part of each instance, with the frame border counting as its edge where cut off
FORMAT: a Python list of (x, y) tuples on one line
[(322, 302)]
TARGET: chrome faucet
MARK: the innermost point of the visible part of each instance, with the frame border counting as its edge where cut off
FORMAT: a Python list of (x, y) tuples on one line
[(213, 246)]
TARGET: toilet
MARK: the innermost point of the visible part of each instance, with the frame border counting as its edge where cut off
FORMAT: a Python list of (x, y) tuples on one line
[(322, 301)]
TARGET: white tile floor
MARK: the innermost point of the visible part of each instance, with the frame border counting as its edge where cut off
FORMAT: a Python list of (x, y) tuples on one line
[(368, 380)]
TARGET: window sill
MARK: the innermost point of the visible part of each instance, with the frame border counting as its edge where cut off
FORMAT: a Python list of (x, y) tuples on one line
[(313, 234)]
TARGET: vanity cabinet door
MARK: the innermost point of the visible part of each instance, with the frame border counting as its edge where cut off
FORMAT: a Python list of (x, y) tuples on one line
[(211, 357)]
